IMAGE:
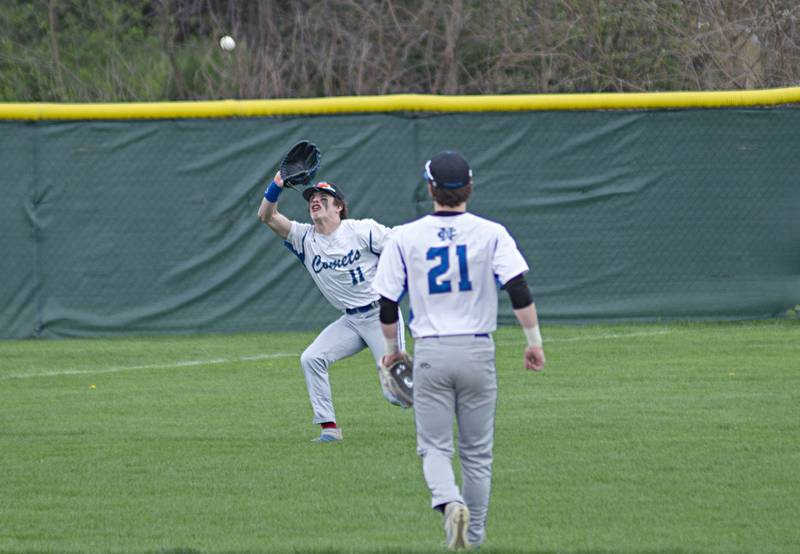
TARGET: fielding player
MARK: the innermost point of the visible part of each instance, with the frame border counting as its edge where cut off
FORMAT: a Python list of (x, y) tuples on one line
[(451, 261), (341, 255)]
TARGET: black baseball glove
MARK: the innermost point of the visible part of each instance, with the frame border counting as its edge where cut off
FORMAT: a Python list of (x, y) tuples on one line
[(300, 164), (398, 378)]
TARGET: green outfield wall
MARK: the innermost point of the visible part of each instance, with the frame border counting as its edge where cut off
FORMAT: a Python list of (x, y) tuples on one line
[(121, 220)]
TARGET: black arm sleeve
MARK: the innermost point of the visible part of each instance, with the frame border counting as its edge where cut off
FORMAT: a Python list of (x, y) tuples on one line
[(389, 311), (518, 292)]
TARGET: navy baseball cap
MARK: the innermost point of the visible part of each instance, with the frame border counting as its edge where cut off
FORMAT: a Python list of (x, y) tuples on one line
[(448, 170), (324, 186)]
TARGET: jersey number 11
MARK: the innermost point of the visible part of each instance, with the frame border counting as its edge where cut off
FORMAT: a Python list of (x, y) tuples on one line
[(356, 275)]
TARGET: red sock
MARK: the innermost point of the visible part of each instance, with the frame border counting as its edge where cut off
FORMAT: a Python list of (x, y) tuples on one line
[(328, 425)]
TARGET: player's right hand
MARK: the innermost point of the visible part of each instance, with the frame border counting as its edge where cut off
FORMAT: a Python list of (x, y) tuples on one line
[(534, 358), (278, 179)]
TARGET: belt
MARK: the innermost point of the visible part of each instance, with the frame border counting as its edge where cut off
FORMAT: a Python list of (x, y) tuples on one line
[(362, 309)]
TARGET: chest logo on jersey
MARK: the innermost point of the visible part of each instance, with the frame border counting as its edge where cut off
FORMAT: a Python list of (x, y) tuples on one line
[(318, 264), (447, 233)]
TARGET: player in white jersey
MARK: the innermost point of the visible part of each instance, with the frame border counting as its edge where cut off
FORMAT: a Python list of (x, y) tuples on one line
[(450, 263), (341, 255)]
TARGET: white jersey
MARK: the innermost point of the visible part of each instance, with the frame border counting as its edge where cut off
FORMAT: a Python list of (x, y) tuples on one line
[(343, 263), (451, 265)]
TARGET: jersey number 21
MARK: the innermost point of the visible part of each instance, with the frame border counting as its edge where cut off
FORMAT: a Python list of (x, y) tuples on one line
[(442, 253)]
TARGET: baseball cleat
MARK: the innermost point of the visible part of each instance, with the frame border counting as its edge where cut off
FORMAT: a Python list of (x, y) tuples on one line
[(456, 521), (329, 435)]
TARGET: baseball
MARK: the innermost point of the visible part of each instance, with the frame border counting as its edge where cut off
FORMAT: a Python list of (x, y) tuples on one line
[(227, 43)]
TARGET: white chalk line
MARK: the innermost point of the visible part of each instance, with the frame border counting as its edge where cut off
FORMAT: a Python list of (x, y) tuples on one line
[(215, 361), (169, 365)]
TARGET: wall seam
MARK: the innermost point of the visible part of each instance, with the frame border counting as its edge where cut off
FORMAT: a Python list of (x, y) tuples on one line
[(36, 230)]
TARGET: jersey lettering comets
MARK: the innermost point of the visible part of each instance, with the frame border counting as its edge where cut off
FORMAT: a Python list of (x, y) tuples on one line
[(351, 257)]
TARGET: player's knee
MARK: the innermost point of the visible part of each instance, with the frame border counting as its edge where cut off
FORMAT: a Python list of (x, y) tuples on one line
[(476, 460), (432, 452), (311, 359)]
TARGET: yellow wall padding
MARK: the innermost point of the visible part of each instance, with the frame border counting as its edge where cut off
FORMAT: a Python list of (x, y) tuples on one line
[(400, 103)]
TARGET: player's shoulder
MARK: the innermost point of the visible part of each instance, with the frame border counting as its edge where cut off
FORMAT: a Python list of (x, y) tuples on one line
[(299, 228), (484, 223), (358, 224), (475, 218), (412, 226), (362, 227)]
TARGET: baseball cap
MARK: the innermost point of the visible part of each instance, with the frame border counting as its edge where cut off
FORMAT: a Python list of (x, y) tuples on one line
[(324, 186), (448, 170)]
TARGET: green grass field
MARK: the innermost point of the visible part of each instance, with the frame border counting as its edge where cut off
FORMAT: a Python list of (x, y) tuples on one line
[(636, 438)]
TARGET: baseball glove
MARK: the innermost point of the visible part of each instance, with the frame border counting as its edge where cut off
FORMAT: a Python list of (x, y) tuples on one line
[(300, 164), (398, 378)]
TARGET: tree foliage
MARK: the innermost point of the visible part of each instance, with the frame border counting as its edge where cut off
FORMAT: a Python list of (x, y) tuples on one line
[(152, 50)]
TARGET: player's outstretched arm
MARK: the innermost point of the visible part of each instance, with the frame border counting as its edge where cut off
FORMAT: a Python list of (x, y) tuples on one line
[(268, 211)]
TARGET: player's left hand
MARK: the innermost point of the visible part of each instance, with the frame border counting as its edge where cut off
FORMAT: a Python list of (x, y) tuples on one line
[(389, 359), (300, 164), (534, 358), (397, 375)]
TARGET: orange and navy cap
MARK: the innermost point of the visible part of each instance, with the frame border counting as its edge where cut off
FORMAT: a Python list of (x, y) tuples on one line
[(324, 186)]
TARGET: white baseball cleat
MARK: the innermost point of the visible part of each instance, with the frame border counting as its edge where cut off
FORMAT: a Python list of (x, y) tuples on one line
[(456, 521), (329, 435)]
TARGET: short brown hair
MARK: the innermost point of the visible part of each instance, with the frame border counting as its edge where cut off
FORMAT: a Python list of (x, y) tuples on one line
[(451, 197), (343, 204)]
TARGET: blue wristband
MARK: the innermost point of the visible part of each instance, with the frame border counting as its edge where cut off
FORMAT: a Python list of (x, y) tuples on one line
[(272, 192)]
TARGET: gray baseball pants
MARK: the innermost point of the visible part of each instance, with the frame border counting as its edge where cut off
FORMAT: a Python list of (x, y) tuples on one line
[(346, 336), (455, 378)]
